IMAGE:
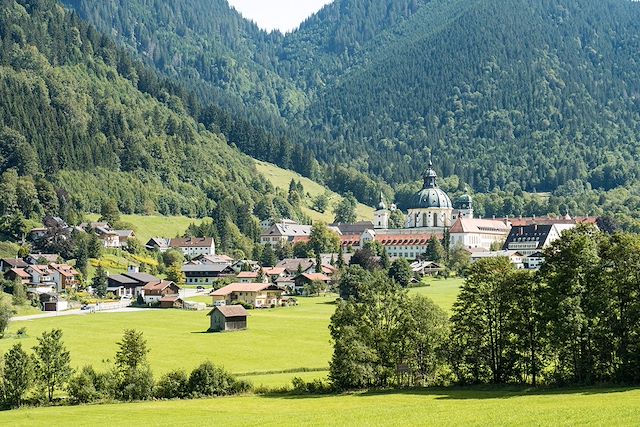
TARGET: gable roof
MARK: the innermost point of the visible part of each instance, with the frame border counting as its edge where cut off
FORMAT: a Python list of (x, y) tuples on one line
[(230, 311), (274, 271), (158, 286), (191, 242), (535, 234), (243, 287), (291, 264), (247, 275), (65, 269), (15, 262), (208, 267), (20, 272), (316, 276), (160, 242), (288, 230), (475, 225)]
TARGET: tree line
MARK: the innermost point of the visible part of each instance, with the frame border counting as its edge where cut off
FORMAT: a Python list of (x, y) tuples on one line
[(574, 322)]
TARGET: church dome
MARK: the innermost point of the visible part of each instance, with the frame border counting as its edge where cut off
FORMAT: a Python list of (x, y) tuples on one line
[(431, 196)]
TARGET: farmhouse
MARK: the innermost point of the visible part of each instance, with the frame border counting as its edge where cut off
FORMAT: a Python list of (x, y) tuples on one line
[(308, 278), (280, 234), (9, 263), (259, 295), (228, 318), (18, 274)]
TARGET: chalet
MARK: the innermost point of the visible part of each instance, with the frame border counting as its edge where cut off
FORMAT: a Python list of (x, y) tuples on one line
[(305, 279), (426, 268), (287, 283), (65, 276), (213, 259), (39, 258), (129, 284), (153, 292), (158, 244), (18, 274), (204, 274), (478, 233), (7, 264), (228, 318), (274, 273), (294, 266), (260, 295), (194, 246), (171, 301)]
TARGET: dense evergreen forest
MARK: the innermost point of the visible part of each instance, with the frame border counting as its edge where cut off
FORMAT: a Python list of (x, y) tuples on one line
[(83, 122), (513, 98)]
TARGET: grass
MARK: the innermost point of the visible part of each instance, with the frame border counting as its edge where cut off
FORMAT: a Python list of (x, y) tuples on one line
[(291, 338), (437, 407), (20, 310), (280, 178), (148, 226), (442, 291)]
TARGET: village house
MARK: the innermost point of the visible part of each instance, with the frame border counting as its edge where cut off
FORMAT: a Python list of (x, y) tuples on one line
[(534, 261), (158, 244), (129, 284), (113, 238), (260, 295), (426, 268), (293, 266), (279, 234), (307, 279), (9, 263), (41, 279), (18, 274), (228, 318), (206, 274), (192, 247), (250, 277), (39, 258), (153, 292), (65, 276)]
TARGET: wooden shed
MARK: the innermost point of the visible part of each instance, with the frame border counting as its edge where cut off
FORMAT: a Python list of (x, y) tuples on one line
[(228, 318)]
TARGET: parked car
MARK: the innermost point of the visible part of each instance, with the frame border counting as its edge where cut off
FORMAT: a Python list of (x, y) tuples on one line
[(199, 288)]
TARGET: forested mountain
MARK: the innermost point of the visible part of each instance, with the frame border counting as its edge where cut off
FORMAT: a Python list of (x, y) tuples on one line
[(82, 122)]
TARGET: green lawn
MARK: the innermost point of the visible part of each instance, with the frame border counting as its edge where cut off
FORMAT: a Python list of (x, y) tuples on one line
[(148, 226), (442, 291), (280, 178), (435, 407), (290, 338)]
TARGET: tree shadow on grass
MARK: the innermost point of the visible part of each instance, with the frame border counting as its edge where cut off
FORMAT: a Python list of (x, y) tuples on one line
[(498, 392), (467, 392)]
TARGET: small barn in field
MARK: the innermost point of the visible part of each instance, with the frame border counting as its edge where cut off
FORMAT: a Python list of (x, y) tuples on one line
[(228, 318)]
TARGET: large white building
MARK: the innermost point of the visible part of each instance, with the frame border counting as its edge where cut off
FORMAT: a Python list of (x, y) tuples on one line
[(431, 209)]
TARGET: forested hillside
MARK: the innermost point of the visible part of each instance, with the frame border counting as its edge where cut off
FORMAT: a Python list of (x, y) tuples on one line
[(82, 122), (511, 96)]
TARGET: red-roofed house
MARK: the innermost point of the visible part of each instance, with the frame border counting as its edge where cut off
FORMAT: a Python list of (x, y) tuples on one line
[(479, 233), (153, 292)]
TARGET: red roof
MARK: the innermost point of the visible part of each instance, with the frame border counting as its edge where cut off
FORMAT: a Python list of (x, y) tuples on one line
[(316, 276), (157, 286), (247, 275)]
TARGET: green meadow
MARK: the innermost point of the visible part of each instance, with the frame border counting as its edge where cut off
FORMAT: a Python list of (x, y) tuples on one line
[(148, 226), (433, 407), (279, 345)]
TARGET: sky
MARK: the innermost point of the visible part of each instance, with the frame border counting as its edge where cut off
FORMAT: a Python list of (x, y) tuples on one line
[(284, 15)]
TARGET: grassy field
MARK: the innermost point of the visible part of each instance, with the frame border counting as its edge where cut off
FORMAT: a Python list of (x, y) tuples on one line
[(280, 178), (292, 339), (150, 226), (447, 407), (442, 292), (287, 342)]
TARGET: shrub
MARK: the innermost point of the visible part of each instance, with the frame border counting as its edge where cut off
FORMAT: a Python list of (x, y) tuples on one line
[(89, 386), (136, 384), (173, 385), (209, 380), (316, 386), (22, 332), (246, 305)]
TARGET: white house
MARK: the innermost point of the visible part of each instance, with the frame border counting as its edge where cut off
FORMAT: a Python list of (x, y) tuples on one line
[(471, 233), (194, 246)]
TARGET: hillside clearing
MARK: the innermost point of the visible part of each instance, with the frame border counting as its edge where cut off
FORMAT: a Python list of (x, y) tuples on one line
[(280, 178), (148, 226)]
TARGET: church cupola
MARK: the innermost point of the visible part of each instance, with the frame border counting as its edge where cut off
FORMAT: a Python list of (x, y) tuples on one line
[(381, 215)]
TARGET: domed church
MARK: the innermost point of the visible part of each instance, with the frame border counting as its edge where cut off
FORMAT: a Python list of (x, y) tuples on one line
[(430, 208)]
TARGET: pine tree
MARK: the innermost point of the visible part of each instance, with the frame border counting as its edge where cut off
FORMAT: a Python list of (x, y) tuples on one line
[(100, 282)]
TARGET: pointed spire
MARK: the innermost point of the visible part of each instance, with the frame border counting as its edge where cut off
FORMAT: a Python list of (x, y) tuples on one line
[(430, 176)]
